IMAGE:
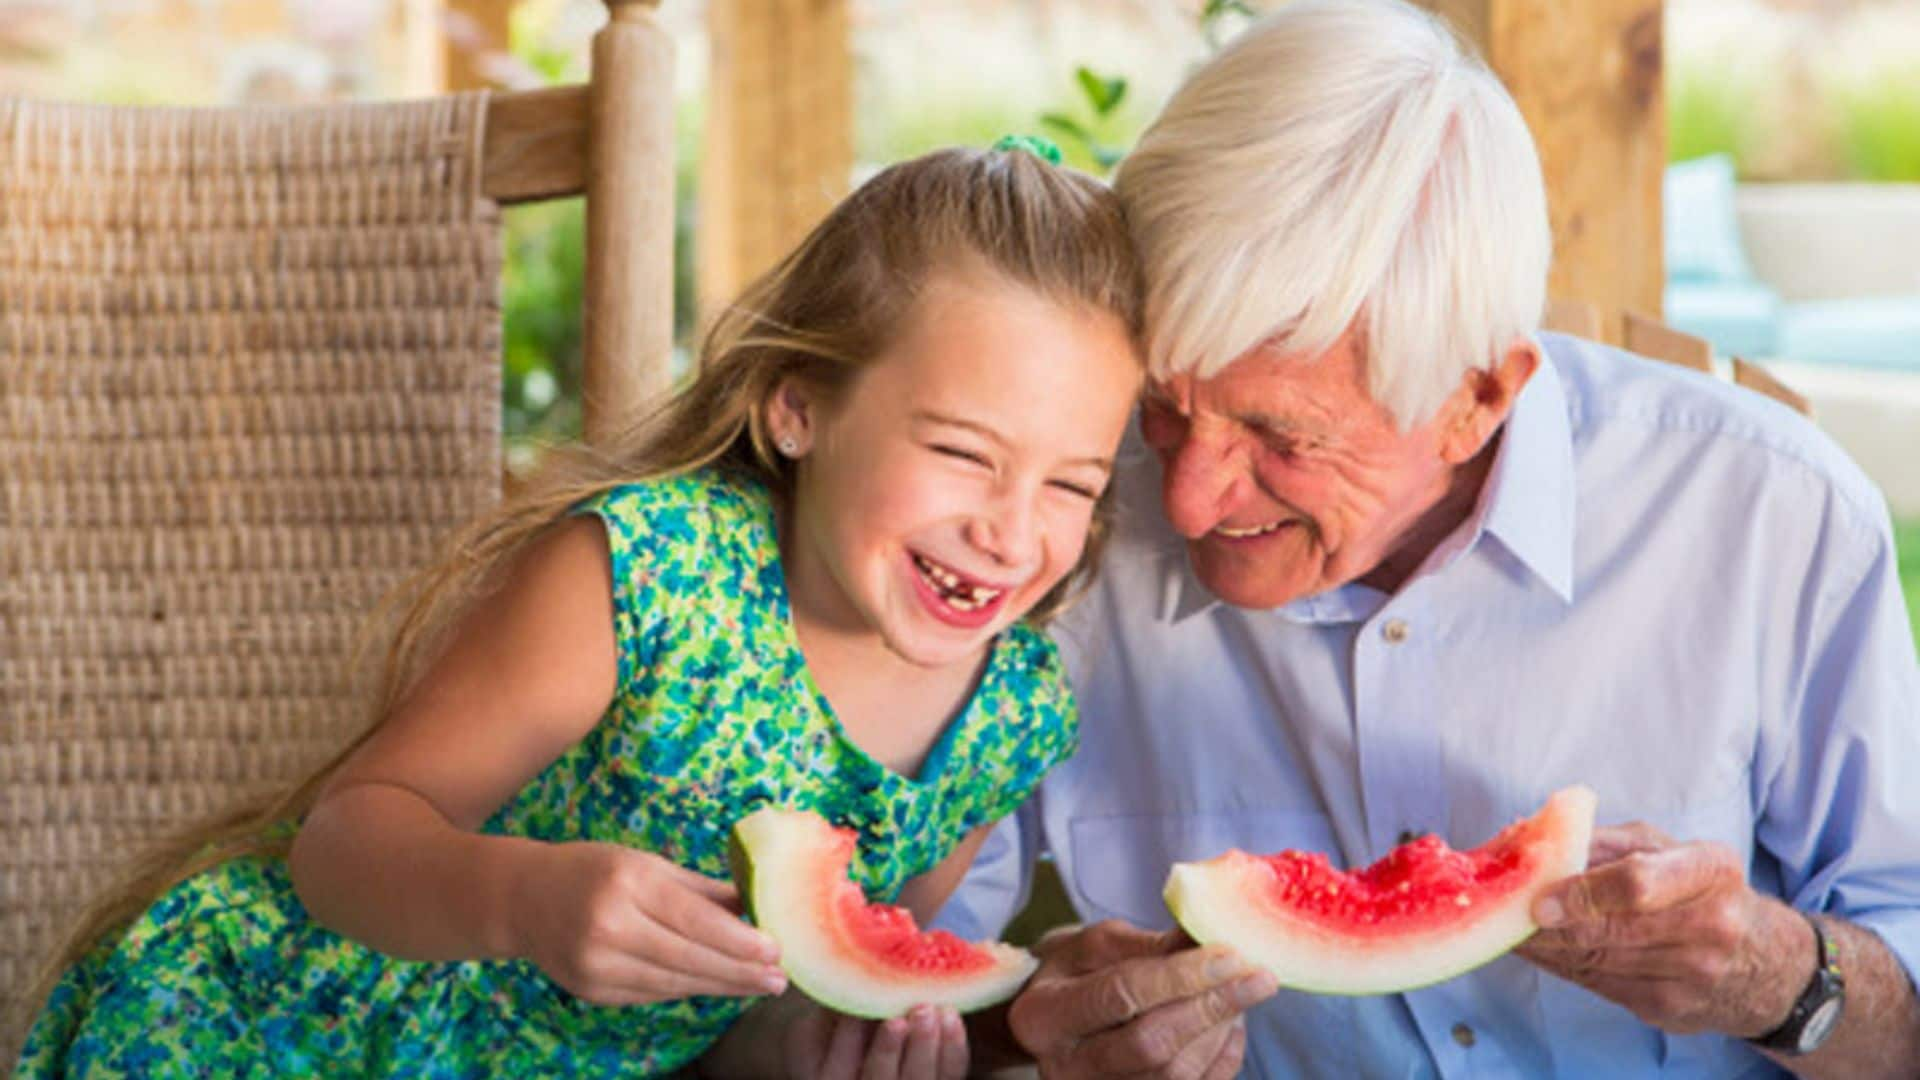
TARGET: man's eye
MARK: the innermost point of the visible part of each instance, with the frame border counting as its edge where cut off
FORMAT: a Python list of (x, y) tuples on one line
[(1283, 445)]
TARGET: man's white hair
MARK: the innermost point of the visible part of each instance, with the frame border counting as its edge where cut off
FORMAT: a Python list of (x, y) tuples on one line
[(1342, 163)]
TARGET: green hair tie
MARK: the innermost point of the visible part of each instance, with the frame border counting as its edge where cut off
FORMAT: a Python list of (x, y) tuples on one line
[(1038, 145)]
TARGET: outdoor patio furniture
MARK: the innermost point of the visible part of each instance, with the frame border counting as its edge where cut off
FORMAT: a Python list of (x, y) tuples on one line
[(1659, 341), (249, 378), (1806, 273)]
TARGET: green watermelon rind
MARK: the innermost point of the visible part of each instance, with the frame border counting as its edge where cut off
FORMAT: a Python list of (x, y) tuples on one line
[(808, 963), (1202, 897)]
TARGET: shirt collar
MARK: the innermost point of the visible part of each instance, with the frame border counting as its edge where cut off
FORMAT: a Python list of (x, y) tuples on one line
[(1527, 504), (1528, 501)]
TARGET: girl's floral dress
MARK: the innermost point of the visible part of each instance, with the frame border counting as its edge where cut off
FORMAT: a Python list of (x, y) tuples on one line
[(715, 715)]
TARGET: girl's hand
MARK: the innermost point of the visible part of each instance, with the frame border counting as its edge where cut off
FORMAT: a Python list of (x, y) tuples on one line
[(926, 1044), (619, 926)]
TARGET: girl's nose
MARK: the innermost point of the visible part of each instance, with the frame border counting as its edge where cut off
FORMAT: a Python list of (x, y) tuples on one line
[(1007, 531)]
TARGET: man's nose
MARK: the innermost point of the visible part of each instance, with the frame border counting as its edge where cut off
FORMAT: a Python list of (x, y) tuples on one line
[(1201, 482)]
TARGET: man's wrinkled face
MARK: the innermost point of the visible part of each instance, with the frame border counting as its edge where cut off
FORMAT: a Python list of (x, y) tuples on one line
[(1285, 476)]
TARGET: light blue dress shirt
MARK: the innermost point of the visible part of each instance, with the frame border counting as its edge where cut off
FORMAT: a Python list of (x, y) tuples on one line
[(1671, 590)]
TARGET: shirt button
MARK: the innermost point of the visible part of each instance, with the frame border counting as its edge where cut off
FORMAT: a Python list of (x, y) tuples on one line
[(1463, 1035), (1395, 631)]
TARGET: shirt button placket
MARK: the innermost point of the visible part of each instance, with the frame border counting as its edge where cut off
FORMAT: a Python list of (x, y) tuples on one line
[(1401, 778)]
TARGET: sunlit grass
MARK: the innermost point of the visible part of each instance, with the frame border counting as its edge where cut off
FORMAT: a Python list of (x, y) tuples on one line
[(1879, 127), (1906, 535), (1710, 110)]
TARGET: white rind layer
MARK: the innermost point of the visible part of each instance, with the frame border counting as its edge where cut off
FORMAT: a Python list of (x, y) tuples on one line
[(785, 849), (1218, 903)]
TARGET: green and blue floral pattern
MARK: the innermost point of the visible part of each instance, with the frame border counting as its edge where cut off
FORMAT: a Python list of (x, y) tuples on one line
[(715, 715)]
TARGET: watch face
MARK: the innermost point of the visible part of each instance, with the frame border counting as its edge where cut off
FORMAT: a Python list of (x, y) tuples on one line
[(1819, 1025)]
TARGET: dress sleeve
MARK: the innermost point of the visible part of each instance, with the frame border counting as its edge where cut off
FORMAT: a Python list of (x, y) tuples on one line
[(654, 542)]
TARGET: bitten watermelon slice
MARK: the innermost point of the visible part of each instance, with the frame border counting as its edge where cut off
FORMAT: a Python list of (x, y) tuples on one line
[(858, 958), (1422, 914)]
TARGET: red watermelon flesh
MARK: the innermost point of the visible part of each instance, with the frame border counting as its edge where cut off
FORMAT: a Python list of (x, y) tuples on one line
[(861, 959), (1422, 914)]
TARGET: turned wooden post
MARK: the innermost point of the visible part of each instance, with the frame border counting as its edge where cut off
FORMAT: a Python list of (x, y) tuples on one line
[(1586, 75), (628, 324)]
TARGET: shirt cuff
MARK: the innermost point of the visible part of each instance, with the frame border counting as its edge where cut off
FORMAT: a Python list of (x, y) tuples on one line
[(1899, 928)]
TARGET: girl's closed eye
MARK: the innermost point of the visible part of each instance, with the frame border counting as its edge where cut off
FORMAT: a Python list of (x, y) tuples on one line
[(971, 456), (1089, 492)]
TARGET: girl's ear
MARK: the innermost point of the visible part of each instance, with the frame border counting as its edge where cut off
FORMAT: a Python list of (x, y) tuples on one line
[(790, 418)]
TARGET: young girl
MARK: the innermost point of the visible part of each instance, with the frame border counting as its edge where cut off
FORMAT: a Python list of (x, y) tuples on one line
[(809, 580)]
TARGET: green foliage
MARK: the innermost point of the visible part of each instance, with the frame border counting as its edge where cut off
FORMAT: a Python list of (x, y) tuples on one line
[(529, 39), (1709, 112), (908, 126), (1906, 536), (543, 282), (1096, 138), (1216, 14), (1878, 122)]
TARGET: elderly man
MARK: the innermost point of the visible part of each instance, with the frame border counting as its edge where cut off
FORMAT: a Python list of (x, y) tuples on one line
[(1397, 563)]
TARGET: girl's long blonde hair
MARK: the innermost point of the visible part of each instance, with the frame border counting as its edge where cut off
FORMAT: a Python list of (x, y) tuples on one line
[(819, 316)]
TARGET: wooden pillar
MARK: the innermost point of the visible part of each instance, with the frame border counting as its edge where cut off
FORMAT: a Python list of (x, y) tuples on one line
[(483, 26), (421, 47), (778, 152), (1587, 77), (628, 322)]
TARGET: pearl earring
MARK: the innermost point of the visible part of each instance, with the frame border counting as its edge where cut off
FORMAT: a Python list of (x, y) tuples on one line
[(789, 447)]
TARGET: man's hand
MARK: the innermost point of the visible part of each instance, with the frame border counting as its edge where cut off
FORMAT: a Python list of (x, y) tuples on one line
[(1112, 999), (1673, 932)]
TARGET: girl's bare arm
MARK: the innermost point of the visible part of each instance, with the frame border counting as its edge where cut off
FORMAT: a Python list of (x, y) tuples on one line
[(388, 855)]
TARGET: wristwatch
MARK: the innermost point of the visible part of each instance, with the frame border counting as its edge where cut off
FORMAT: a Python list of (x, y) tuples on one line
[(1817, 1011)]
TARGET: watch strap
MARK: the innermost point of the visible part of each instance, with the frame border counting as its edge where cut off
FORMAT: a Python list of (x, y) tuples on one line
[(1825, 983)]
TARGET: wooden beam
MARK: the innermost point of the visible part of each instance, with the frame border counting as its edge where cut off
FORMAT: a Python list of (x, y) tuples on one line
[(1587, 77), (1655, 339), (1754, 377), (478, 27), (778, 152), (1576, 317), (536, 145)]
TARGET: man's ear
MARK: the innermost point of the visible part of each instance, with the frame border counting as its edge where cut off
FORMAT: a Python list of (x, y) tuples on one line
[(791, 416), (1484, 398)]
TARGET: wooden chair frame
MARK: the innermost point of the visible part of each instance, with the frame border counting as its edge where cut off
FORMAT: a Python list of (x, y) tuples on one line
[(611, 140), (1651, 338)]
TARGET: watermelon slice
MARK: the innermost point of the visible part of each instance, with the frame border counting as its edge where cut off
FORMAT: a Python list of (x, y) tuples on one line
[(1422, 914), (861, 959)]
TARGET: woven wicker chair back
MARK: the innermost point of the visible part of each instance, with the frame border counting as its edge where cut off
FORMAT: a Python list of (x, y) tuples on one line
[(249, 377)]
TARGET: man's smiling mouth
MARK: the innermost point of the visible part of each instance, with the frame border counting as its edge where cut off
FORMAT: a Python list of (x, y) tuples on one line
[(1232, 533)]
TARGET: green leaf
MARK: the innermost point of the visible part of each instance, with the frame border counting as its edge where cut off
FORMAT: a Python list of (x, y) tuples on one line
[(1066, 125), (1217, 8), (1103, 94)]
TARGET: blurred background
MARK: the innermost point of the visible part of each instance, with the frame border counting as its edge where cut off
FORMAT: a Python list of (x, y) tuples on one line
[(1792, 201)]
